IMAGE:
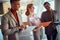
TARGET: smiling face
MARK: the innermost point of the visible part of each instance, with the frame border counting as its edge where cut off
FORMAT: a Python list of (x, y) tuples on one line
[(15, 5), (47, 6)]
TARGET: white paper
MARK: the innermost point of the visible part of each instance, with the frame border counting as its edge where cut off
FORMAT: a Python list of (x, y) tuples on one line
[(30, 28), (27, 32)]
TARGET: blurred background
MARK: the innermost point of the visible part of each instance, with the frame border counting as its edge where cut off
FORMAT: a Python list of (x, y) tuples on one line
[(39, 8)]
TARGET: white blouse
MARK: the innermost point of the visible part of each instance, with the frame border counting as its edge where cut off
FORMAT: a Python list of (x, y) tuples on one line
[(33, 20)]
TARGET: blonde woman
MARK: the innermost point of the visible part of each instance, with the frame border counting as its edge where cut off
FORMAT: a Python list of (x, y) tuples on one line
[(33, 20)]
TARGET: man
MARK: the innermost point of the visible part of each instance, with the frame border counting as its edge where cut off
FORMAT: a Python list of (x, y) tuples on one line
[(49, 15), (12, 21)]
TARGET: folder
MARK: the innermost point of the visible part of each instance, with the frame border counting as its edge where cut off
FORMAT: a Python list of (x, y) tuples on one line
[(45, 24), (27, 32)]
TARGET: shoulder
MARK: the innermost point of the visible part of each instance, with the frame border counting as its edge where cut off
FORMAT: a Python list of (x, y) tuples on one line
[(54, 12), (43, 13), (6, 15)]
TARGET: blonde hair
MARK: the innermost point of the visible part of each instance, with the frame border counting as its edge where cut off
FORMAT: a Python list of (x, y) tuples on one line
[(28, 7)]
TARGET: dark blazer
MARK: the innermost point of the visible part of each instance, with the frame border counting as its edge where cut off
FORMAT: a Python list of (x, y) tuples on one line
[(46, 16)]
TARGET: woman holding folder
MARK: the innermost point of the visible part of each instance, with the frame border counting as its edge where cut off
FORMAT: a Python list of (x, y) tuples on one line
[(33, 20)]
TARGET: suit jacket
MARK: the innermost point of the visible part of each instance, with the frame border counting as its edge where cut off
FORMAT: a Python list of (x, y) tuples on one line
[(46, 16), (10, 26)]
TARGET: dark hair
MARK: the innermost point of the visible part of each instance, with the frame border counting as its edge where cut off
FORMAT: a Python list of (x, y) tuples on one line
[(28, 7), (46, 3), (11, 1)]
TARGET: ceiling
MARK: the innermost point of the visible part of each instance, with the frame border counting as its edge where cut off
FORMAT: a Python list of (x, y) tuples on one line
[(24, 0)]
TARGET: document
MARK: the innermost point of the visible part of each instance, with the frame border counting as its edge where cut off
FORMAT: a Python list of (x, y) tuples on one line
[(30, 28), (27, 32)]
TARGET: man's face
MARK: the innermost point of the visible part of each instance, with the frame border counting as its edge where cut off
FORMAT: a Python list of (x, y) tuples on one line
[(47, 6), (16, 5)]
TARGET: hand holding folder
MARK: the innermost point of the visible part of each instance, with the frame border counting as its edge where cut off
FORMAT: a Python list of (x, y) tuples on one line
[(45, 24)]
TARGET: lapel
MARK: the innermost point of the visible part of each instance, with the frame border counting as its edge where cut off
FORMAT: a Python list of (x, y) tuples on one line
[(19, 18), (12, 16)]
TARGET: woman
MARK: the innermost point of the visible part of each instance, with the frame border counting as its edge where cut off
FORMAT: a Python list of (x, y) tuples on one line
[(33, 20)]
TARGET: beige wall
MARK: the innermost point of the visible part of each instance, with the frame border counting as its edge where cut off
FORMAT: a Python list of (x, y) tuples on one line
[(6, 5)]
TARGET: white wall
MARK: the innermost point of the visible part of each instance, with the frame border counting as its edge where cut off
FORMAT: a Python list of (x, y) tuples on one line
[(57, 7)]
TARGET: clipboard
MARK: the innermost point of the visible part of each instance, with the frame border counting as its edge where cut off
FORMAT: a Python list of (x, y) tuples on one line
[(45, 24)]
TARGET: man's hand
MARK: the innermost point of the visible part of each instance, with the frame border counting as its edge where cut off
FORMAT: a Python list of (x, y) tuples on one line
[(22, 27)]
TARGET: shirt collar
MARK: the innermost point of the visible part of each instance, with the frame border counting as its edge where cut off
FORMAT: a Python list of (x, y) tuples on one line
[(13, 11)]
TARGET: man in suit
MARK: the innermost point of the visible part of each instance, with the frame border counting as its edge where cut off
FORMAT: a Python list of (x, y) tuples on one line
[(49, 15), (12, 22)]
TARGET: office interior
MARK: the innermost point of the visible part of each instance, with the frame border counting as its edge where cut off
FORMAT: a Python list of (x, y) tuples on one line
[(39, 8)]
